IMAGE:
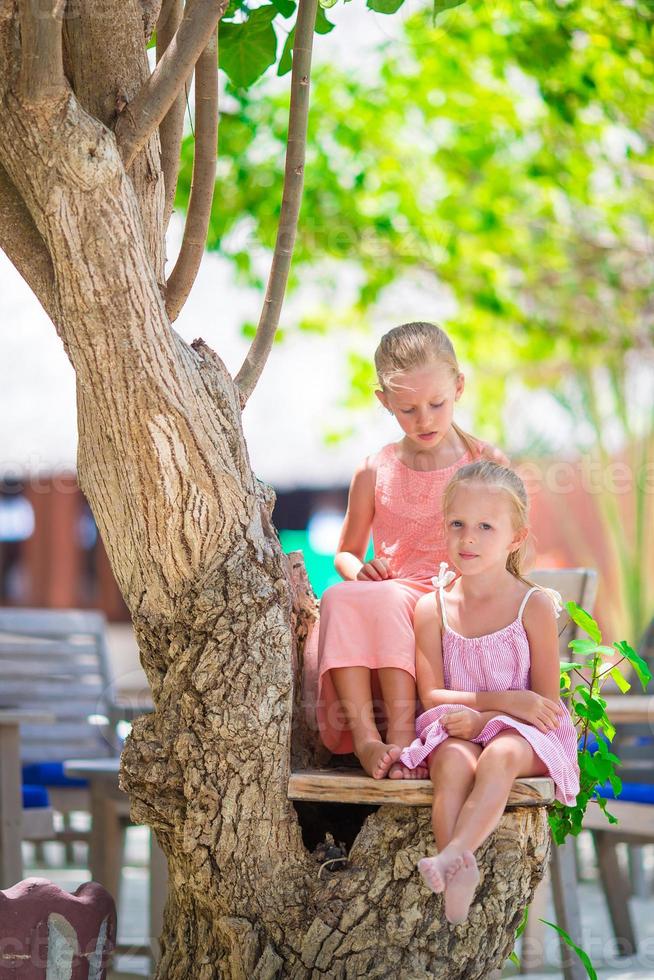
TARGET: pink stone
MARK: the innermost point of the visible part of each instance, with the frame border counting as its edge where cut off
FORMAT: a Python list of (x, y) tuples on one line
[(45, 930)]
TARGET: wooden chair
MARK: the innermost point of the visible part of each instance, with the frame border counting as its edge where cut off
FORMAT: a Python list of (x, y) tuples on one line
[(57, 660)]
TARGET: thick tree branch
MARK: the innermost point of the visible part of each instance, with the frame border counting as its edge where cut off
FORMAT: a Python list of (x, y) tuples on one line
[(21, 241), (203, 183), (253, 364), (108, 65), (42, 67), (172, 125), (144, 114)]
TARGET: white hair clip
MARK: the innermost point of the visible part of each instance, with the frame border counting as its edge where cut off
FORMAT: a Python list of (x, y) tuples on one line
[(444, 577)]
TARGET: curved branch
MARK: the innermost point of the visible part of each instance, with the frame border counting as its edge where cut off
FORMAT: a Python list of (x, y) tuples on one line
[(172, 125), (257, 355), (141, 117), (42, 66), (203, 183)]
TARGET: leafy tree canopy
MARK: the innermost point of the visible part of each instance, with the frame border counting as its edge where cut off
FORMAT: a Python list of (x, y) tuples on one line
[(504, 152)]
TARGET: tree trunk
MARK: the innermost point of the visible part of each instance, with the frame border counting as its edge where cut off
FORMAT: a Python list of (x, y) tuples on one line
[(220, 613)]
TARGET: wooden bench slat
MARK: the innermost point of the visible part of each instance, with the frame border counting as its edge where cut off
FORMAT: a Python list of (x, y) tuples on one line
[(70, 650), (636, 820), (354, 786), (51, 622)]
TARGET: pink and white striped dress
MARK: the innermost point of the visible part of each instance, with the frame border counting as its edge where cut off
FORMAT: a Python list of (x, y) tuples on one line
[(498, 661)]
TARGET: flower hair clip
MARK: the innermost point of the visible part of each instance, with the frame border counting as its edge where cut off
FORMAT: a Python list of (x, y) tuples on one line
[(444, 577)]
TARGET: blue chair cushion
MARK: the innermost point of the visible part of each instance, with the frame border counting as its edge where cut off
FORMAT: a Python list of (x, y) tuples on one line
[(631, 792), (49, 774), (35, 796)]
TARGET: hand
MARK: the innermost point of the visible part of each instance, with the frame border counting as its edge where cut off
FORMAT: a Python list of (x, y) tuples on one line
[(463, 723), (494, 454), (374, 571), (539, 711)]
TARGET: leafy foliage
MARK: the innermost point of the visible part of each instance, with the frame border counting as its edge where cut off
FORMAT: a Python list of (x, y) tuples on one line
[(499, 155), (249, 42), (594, 663)]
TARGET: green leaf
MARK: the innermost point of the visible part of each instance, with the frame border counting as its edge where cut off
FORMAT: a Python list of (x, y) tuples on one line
[(570, 665), (285, 7), (441, 5), (582, 954), (514, 958), (232, 8), (585, 620), (323, 26), (602, 803), (621, 681), (327, 4), (286, 60), (384, 6), (523, 924), (641, 668), (153, 40), (248, 49)]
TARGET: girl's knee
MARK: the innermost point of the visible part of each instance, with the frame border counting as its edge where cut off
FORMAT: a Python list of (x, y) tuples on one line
[(332, 591), (453, 758), (503, 754)]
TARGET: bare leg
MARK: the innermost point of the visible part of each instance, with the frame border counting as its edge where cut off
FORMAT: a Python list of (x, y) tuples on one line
[(354, 690), (504, 758), (399, 693), (452, 769)]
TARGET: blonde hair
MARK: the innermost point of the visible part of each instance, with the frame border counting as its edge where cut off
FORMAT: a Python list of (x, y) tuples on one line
[(497, 477), (414, 345)]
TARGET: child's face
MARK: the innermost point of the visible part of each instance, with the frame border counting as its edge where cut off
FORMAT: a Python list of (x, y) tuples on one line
[(479, 527), (422, 401)]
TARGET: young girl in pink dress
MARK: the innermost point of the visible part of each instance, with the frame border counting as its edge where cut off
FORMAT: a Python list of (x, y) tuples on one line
[(487, 660), (366, 644)]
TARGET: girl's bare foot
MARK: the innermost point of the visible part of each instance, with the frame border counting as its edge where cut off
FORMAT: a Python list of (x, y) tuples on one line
[(460, 889), (436, 870), (377, 757), (399, 771)]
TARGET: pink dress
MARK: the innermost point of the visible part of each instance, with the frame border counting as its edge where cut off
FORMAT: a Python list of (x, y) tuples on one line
[(498, 661), (370, 624)]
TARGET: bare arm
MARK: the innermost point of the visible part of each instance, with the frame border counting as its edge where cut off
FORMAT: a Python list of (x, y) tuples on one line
[(539, 620), (355, 532)]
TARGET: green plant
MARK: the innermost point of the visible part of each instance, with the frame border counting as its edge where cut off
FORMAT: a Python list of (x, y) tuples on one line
[(594, 664)]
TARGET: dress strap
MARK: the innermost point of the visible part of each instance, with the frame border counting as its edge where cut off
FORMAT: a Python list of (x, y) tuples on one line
[(444, 577), (442, 605), (554, 597), (534, 588)]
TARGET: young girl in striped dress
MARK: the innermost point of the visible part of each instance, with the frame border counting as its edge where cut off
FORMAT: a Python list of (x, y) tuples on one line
[(487, 661), (366, 645)]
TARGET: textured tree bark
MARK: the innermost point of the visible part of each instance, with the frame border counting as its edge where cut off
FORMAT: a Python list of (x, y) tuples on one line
[(219, 612)]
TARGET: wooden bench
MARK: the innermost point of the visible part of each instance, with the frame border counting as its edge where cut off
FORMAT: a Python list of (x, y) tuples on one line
[(341, 785)]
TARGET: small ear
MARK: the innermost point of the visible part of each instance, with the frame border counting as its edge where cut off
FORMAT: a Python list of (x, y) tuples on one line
[(519, 538), (460, 385), (381, 395)]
